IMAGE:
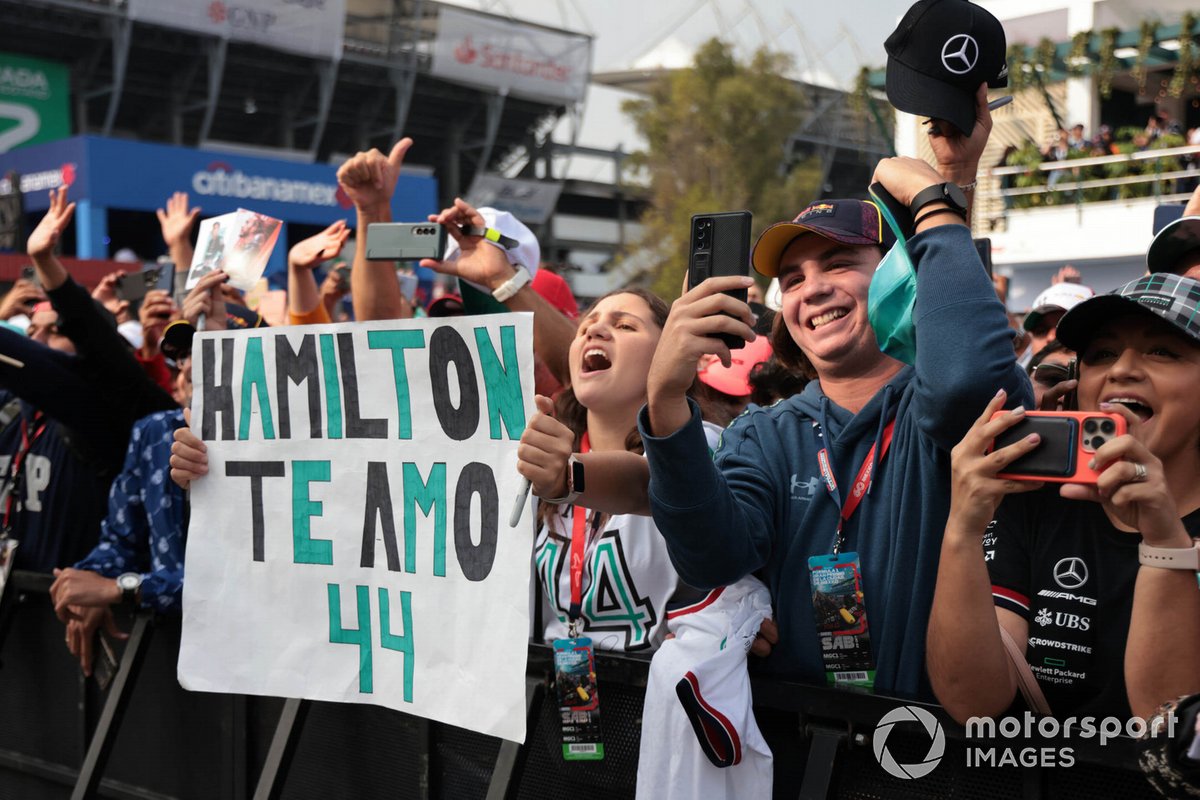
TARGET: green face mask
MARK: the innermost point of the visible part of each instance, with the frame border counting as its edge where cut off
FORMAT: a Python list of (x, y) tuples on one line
[(891, 298)]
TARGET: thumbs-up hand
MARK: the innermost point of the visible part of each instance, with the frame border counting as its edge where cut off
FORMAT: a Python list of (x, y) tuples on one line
[(369, 178), (546, 445)]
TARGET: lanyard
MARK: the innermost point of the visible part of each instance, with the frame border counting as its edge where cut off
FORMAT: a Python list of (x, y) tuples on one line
[(14, 482), (582, 519), (861, 482)]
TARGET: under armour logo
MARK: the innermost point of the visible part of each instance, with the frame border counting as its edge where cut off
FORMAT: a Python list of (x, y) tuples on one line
[(808, 487), (959, 54), (1070, 573)]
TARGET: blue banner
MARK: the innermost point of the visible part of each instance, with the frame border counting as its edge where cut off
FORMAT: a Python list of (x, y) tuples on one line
[(138, 176)]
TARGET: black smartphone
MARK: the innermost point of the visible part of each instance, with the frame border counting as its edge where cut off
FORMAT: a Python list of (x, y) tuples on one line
[(899, 213), (29, 273), (984, 248), (132, 286), (720, 246), (104, 661), (405, 241)]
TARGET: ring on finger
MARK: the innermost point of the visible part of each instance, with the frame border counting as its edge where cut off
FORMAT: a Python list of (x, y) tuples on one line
[(1139, 472)]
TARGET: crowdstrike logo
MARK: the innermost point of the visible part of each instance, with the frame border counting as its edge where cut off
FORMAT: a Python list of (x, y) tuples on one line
[(937, 746), (221, 180), (959, 54)]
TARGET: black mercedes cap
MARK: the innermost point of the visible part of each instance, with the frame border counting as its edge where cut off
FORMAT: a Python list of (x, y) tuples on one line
[(937, 57)]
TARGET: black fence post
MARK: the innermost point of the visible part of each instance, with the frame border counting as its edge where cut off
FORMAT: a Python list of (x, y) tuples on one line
[(119, 694), (283, 747)]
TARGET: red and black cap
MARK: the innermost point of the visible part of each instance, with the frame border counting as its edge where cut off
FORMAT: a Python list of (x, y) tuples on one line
[(937, 57)]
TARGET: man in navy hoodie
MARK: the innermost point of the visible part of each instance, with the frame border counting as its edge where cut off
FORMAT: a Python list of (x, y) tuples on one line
[(784, 477)]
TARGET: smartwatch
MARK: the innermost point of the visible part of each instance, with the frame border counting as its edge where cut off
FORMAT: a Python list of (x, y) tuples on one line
[(129, 583), (1170, 557), (513, 285), (575, 483), (948, 193)]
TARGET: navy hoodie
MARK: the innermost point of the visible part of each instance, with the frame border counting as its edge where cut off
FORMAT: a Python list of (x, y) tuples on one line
[(762, 505)]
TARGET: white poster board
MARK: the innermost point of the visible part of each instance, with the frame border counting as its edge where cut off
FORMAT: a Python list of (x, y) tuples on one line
[(482, 50), (310, 27), (351, 542)]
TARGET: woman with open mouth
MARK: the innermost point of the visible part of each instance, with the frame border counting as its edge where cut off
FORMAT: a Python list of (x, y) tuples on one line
[(1095, 584), (603, 575)]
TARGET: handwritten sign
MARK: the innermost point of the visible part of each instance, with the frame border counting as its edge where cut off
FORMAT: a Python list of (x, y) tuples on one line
[(350, 542)]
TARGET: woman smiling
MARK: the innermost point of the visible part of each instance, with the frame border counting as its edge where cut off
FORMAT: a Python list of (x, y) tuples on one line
[(1095, 584)]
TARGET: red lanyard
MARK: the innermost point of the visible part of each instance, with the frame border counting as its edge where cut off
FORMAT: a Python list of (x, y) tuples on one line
[(27, 443), (860, 483), (579, 539)]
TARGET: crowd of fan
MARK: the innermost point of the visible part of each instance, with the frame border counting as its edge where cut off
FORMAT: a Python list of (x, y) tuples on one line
[(953, 556)]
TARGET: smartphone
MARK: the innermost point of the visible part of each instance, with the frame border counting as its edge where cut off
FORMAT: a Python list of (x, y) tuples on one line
[(166, 277), (984, 248), (898, 216), (104, 661), (720, 246), (1069, 439), (29, 273), (405, 241), (132, 286)]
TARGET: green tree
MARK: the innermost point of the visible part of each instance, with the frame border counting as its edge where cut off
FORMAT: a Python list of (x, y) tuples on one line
[(716, 135)]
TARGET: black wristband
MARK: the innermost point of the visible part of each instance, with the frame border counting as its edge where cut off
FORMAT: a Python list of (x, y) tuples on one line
[(937, 211)]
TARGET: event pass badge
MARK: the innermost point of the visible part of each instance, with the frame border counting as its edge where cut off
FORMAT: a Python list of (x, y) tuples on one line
[(578, 699), (841, 617)]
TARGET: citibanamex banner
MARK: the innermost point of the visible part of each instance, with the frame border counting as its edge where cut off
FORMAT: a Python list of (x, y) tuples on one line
[(310, 27), (347, 543), (510, 57), (34, 101)]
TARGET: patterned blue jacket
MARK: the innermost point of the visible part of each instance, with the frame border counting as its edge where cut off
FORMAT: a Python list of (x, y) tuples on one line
[(144, 529)]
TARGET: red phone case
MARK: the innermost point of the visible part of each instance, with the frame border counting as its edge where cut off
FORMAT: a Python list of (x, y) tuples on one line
[(1089, 433)]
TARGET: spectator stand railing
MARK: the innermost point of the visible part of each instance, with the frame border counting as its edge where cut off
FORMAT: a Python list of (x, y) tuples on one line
[(1165, 185), (154, 740)]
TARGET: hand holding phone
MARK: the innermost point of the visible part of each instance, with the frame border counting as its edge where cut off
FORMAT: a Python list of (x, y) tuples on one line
[(720, 245), (1069, 439)]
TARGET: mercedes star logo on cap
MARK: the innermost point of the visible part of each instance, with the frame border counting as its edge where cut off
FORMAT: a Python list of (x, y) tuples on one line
[(1070, 573), (959, 54)]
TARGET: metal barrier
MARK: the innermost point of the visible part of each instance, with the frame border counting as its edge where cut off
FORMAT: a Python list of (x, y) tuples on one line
[(147, 738)]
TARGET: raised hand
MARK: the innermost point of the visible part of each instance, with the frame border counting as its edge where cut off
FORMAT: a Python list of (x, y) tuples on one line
[(21, 299), (369, 178), (325, 245), (177, 221), (45, 236), (957, 155)]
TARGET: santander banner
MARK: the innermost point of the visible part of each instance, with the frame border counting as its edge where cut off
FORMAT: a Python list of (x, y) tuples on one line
[(524, 60), (310, 27)]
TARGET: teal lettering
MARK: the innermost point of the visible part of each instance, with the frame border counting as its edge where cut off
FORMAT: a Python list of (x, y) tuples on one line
[(361, 635), (429, 496), (254, 380), (401, 644), (398, 342), (307, 550), (333, 390), (502, 382)]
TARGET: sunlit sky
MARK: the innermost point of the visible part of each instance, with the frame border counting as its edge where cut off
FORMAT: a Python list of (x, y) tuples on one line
[(828, 41)]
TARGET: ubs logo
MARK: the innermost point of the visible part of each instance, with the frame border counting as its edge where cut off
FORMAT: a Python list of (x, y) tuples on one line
[(959, 54), (1070, 573)]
